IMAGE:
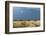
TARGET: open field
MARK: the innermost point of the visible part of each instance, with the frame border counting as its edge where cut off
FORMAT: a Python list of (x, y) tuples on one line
[(21, 24)]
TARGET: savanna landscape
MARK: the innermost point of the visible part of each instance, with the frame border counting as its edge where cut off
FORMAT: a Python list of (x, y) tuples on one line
[(26, 17)]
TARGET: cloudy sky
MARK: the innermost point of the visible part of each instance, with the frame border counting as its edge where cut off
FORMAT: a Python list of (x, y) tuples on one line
[(26, 13)]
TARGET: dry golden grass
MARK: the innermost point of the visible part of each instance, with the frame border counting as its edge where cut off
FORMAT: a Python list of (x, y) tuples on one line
[(18, 24)]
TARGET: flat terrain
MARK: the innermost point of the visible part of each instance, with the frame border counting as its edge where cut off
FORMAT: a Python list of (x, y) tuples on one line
[(21, 24)]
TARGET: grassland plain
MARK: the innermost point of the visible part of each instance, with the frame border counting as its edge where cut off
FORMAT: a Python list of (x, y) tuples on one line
[(21, 24)]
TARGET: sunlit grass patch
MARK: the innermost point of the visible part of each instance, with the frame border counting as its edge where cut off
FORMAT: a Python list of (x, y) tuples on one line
[(21, 24)]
